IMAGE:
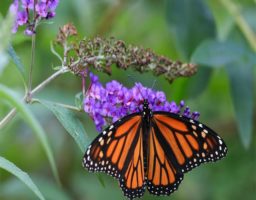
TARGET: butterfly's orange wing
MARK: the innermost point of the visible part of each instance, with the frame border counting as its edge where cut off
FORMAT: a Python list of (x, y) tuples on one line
[(163, 177), (118, 151), (176, 145), (133, 181)]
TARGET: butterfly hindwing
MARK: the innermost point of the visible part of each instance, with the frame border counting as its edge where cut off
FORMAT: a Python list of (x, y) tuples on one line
[(118, 152), (188, 141), (163, 177), (133, 181)]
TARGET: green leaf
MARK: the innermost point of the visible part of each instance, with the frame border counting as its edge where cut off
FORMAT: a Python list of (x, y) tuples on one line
[(28, 116), (190, 22), (18, 64), (242, 87), (79, 100), (224, 21), (16, 60), (199, 82), (23, 176), (215, 53), (69, 121)]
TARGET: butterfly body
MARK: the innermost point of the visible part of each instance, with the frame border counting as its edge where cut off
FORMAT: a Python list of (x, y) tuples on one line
[(147, 115), (152, 150)]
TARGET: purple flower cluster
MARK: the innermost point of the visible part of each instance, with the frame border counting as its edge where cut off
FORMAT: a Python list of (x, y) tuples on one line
[(108, 104), (23, 9)]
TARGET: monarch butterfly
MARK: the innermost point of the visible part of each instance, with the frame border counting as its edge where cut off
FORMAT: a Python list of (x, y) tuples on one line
[(152, 150)]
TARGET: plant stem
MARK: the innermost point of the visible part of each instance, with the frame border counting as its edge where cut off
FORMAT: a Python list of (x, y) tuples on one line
[(70, 107), (28, 96), (49, 79), (241, 22), (12, 113), (7, 118)]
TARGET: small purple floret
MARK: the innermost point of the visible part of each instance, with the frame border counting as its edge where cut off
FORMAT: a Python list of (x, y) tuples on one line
[(22, 9), (108, 104), (42, 9), (22, 18)]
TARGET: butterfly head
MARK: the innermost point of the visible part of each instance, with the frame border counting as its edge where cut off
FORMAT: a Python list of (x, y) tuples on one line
[(145, 103)]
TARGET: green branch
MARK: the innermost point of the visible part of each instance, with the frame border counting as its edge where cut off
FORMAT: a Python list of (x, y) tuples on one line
[(234, 11)]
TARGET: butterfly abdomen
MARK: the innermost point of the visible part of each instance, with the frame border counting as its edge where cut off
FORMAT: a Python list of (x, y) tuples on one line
[(145, 147)]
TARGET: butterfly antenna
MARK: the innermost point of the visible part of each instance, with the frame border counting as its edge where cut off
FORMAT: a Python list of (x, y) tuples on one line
[(153, 84)]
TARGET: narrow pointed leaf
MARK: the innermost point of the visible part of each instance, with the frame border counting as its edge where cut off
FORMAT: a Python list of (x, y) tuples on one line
[(223, 20), (79, 100), (195, 25), (16, 60), (23, 176), (70, 122), (214, 53), (241, 84)]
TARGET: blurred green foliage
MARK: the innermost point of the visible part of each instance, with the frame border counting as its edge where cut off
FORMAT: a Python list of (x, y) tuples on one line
[(219, 35)]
